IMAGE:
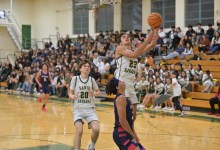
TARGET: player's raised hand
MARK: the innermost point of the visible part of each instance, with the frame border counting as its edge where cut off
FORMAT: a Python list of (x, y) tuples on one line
[(150, 37)]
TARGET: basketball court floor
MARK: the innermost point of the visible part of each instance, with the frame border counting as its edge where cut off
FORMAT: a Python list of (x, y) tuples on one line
[(24, 127)]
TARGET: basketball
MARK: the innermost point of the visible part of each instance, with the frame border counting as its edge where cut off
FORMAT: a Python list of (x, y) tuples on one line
[(154, 20)]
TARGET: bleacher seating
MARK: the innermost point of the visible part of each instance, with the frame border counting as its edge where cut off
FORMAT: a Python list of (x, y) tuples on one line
[(3, 84), (198, 99)]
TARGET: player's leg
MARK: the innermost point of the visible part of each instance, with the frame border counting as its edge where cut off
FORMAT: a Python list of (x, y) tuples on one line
[(131, 95), (123, 140), (78, 135), (92, 119), (95, 134), (178, 105), (47, 94)]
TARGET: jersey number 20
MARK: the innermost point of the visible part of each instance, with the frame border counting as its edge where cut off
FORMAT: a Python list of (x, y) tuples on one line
[(84, 94)]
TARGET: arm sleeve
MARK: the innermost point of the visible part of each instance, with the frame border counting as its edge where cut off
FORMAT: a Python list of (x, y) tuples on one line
[(95, 86), (72, 83)]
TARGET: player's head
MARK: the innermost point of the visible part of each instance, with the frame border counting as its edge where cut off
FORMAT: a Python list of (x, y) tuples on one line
[(85, 67), (44, 67), (114, 86), (124, 39)]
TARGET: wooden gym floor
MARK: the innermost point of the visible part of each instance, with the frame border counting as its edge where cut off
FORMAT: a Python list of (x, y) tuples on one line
[(23, 126)]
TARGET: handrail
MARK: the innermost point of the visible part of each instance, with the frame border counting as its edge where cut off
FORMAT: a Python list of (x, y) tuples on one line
[(53, 35), (16, 52), (16, 22), (45, 39)]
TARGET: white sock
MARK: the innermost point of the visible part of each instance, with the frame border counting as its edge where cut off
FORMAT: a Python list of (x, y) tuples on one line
[(92, 145)]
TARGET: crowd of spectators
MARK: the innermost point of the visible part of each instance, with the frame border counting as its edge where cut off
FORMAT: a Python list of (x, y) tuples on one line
[(63, 60)]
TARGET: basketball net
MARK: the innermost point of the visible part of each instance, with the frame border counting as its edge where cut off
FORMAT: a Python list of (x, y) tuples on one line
[(109, 2), (104, 3)]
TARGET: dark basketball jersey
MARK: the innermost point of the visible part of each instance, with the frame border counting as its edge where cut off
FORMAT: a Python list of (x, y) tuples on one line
[(44, 79), (129, 114)]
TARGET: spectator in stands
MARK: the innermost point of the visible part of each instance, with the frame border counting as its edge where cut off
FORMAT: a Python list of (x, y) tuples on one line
[(26, 88), (190, 72), (178, 37), (187, 51), (21, 79), (190, 31), (207, 81), (174, 54), (147, 69), (218, 27), (194, 39), (184, 81), (157, 49), (171, 35), (150, 92), (213, 101), (204, 44), (162, 35), (140, 36), (106, 67), (97, 75), (210, 32), (215, 44), (184, 41), (197, 77), (138, 85), (12, 81), (159, 89), (6, 72), (66, 84), (199, 32), (60, 85), (168, 90), (54, 83), (101, 66), (95, 58)]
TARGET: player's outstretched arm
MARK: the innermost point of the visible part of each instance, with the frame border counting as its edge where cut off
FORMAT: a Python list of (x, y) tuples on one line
[(123, 51)]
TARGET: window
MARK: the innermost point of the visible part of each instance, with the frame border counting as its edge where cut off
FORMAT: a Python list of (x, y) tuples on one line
[(167, 10), (131, 14), (81, 16), (199, 11), (104, 18)]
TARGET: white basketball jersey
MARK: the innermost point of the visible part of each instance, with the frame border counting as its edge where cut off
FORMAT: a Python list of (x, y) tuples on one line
[(126, 68), (82, 88)]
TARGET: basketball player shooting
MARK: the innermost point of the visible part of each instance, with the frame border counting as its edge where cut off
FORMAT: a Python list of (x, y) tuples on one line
[(126, 60)]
